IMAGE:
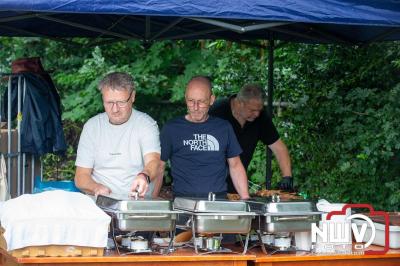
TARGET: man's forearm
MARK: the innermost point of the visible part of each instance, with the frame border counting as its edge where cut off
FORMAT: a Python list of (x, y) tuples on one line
[(158, 181), (239, 177), (282, 156), (284, 164), (85, 182), (152, 166)]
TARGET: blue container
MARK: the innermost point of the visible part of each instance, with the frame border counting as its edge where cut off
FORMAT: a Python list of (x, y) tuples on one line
[(41, 186)]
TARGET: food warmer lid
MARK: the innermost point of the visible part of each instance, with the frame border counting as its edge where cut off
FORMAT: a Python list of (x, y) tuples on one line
[(209, 206), (271, 206), (122, 203)]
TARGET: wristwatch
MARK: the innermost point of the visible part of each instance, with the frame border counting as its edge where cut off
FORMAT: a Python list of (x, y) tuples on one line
[(146, 176)]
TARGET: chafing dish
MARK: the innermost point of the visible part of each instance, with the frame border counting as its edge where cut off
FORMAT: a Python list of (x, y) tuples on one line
[(282, 216), (139, 215), (212, 216)]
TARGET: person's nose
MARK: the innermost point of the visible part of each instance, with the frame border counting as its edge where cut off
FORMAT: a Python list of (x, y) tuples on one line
[(114, 108), (196, 106)]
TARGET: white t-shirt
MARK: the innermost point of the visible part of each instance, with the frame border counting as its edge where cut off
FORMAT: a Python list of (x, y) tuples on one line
[(116, 152)]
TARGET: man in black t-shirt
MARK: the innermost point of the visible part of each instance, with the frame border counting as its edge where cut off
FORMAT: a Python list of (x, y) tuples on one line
[(251, 123)]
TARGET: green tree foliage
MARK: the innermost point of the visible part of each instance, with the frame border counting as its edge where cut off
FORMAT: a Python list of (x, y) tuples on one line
[(341, 122), (344, 132)]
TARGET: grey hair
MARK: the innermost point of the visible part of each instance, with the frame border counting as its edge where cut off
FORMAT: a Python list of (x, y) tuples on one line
[(117, 81), (251, 91)]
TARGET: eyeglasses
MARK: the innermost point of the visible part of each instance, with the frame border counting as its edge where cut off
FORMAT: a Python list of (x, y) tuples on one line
[(200, 103), (120, 104)]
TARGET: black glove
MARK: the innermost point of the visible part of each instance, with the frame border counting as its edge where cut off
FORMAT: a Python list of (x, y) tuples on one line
[(286, 183)]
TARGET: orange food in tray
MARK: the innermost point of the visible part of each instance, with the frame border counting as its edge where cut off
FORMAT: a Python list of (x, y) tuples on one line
[(282, 194), (269, 193), (232, 196)]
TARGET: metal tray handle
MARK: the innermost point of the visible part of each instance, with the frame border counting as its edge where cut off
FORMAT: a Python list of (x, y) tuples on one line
[(220, 217), (147, 216), (292, 218)]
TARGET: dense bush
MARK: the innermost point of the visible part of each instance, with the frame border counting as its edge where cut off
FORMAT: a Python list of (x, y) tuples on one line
[(344, 132)]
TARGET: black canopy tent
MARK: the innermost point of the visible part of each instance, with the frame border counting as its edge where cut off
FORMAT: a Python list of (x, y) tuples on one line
[(348, 22)]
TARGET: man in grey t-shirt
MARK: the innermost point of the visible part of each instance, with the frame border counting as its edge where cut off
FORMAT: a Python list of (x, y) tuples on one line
[(119, 150)]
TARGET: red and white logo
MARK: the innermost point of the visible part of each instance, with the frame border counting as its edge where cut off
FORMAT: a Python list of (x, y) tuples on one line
[(338, 232)]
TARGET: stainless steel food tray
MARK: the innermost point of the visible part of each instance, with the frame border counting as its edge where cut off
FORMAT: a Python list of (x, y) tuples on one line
[(124, 203), (139, 215), (289, 207), (284, 216), (227, 223), (215, 217), (201, 205), (209, 217)]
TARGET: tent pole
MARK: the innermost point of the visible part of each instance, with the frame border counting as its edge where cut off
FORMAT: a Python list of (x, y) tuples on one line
[(268, 164)]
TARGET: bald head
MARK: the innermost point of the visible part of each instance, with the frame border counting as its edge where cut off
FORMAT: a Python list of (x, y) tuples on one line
[(198, 98), (202, 83)]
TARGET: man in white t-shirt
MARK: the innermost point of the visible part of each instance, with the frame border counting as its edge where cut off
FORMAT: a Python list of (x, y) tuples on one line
[(119, 150)]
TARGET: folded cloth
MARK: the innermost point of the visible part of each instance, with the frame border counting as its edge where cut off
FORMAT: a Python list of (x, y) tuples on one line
[(54, 218)]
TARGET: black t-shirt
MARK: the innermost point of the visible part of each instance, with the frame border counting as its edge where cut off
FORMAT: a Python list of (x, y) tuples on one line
[(261, 128)]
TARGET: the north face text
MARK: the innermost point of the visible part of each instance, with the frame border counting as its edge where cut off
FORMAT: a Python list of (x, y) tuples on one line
[(202, 142)]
